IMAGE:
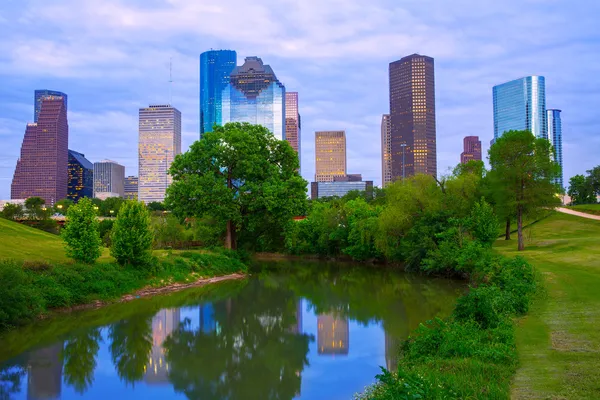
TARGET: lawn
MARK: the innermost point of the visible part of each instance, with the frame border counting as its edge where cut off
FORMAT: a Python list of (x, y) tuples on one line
[(559, 341), (587, 208)]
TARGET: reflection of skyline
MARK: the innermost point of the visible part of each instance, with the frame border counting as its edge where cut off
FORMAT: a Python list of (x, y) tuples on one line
[(392, 347), (207, 318), (45, 373), (297, 327), (163, 324), (333, 334)]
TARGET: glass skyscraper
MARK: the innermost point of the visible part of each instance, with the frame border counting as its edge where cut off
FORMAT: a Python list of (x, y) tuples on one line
[(215, 67), (521, 105), (81, 177), (386, 150), (109, 179), (131, 187), (292, 123), (255, 95), (39, 95), (555, 138)]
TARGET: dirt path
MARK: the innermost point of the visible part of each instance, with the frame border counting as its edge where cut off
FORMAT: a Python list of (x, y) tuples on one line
[(577, 213)]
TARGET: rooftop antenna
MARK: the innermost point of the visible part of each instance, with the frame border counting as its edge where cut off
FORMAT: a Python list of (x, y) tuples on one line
[(170, 80)]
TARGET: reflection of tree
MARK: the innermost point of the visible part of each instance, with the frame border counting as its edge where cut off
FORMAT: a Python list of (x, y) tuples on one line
[(79, 356), (11, 375), (253, 355), (131, 344)]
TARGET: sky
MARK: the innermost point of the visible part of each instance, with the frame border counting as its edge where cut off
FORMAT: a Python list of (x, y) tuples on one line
[(112, 57)]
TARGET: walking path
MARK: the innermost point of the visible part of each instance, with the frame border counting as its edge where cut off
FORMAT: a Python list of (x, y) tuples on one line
[(579, 214)]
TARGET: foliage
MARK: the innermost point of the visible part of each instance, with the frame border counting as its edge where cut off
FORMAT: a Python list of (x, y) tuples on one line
[(168, 230), (81, 232), (62, 206), (105, 229), (483, 223), (79, 354), (104, 207), (594, 178), (581, 190), (12, 211), (131, 237), (156, 206), (19, 299), (35, 207)]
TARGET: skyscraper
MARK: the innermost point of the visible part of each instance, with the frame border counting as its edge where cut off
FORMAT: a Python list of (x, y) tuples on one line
[(41, 94), (109, 178), (159, 143), (42, 167), (81, 177), (292, 121), (471, 149), (330, 155), (386, 150), (521, 105), (255, 95), (215, 67), (131, 188), (555, 138), (412, 116)]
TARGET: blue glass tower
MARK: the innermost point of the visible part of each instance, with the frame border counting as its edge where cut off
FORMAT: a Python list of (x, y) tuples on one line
[(39, 95), (215, 67), (81, 177), (255, 95), (555, 138), (521, 105)]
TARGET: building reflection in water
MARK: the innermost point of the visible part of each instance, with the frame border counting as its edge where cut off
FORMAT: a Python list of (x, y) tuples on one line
[(333, 335), (45, 369), (392, 349), (163, 324), (297, 327), (207, 318)]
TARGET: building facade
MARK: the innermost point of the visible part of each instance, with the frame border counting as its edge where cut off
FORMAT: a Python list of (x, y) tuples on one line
[(319, 190), (521, 105), (555, 138), (330, 155), (412, 116), (215, 68), (109, 179), (81, 177), (255, 95), (333, 334), (131, 188), (42, 166), (41, 94), (292, 122), (159, 143), (386, 150), (471, 149)]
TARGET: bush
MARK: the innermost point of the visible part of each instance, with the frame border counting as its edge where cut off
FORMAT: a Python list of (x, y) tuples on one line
[(132, 236), (105, 228), (483, 223), (19, 299), (81, 232)]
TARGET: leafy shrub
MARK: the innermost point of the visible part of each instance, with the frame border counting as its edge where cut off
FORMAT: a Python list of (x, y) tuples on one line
[(484, 223), (485, 305), (19, 299), (81, 232), (105, 227), (405, 385), (132, 236)]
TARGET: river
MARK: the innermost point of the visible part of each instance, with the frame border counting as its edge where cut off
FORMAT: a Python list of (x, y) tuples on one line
[(296, 330)]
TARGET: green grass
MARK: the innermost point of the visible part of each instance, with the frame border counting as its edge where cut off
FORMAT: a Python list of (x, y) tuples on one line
[(587, 208), (559, 341)]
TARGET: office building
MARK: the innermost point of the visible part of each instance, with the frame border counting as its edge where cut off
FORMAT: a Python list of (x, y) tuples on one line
[(159, 143), (333, 334), (412, 116), (555, 137), (42, 166), (330, 155), (41, 94), (386, 150), (215, 68), (131, 188), (471, 149), (164, 323), (339, 188), (81, 177), (521, 105), (255, 95), (109, 179), (292, 122)]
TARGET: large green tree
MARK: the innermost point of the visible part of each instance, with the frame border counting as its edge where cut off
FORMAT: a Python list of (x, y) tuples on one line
[(132, 236), (242, 176), (581, 190), (12, 211), (81, 232), (594, 179), (522, 176)]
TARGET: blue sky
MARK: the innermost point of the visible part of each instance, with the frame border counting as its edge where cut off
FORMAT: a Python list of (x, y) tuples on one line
[(112, 57)]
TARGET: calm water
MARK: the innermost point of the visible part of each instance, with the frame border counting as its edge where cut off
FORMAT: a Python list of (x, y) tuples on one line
[(315, 331)]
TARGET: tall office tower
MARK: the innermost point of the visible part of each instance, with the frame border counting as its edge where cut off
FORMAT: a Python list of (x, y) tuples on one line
[(164, 323), (471, 149), (412, 115), (215, 67), (386, 150), (131, 188), (42, 167), (109, 179), (255, 95), (555, 138), (521, 105), (330, 155), (39, 95), (333, 334), (159, 143), (292, 122), (81, 177), (44, 373)]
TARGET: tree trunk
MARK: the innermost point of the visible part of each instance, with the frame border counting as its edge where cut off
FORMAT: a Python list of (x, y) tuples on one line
[(520, 228), (507, 235), (230, 242)]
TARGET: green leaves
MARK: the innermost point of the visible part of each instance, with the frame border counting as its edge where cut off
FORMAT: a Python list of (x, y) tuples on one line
[(132, 236), (81, 232)]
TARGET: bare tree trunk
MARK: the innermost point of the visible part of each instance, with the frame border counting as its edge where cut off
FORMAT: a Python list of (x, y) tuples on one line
[(230, 242), (507, 234), (520, 228)]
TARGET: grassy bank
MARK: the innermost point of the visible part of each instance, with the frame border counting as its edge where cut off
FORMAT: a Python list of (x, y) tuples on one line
[(587, 208), (559, 341)]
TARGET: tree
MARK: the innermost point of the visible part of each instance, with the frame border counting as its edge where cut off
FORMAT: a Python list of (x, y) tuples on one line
[(484, 224), (62, 206), (242, 176), (522, 176), (131, 235), (156, 206), (12, 211), (81, 232), (35, 207), (111, 206), (594, 178), (581, 190)]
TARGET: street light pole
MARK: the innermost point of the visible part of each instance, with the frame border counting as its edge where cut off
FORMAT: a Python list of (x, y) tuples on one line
[(403, 145)]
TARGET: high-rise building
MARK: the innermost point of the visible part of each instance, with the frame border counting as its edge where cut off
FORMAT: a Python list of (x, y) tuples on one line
[(255, 95), (555, 138), (339, 188), (39, 95), (164, 323), (159, 143), (131, 188), (386, 150), (521, 105), (412, 116), (42, 166), (81, 177), (215, 67), (109, 179), (333, 334), (471, 149), (292, 122), (330, 155)]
